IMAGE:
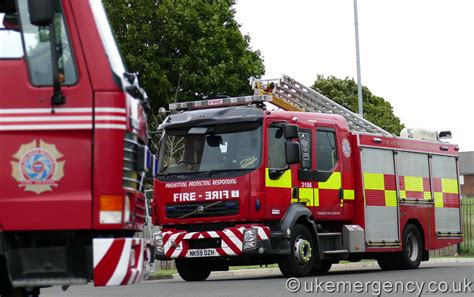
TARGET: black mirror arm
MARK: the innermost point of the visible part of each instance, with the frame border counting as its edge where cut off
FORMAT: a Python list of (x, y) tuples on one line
[(58, 98)]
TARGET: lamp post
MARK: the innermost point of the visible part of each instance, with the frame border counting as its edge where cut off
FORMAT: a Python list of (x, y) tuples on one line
[(359, 84)]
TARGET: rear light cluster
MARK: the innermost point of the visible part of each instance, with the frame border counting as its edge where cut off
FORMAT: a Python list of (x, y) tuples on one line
[(114, 209)]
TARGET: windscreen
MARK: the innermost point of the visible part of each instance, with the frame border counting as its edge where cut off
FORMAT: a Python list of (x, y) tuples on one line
[(212, 148)]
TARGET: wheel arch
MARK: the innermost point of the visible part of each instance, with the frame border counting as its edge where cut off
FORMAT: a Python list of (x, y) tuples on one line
[(417, 224), (298, 213)]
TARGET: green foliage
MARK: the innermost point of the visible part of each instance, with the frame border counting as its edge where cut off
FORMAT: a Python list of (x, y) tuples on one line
[(184, 49), (344, 92)]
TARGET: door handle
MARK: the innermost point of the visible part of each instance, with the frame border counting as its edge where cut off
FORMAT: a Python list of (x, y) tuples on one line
[(341, 194)]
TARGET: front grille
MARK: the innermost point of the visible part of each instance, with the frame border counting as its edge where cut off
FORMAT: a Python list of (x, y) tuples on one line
[(229, 207), (131, 177)]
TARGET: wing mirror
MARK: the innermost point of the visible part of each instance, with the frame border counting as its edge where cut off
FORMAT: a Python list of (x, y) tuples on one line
[(291, 131), (41, 12)]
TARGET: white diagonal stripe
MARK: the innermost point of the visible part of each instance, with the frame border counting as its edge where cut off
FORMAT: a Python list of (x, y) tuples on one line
[(100, 248), (123, 265), (262, 233)]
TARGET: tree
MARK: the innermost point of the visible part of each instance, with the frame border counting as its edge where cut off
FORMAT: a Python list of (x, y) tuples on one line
[(184, 49), (344, 91)]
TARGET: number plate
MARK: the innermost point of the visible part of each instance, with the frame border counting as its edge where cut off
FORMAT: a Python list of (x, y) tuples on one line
[(202, 253)]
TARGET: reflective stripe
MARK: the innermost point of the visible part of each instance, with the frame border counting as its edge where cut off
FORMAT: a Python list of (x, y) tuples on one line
[(449, 185), (333, 183), (438, 198), (403, 194), (413, 183), (283, 182), (306, 194), (349, 195), (390, 198), (316, 197), (374, 181), (427, 195)]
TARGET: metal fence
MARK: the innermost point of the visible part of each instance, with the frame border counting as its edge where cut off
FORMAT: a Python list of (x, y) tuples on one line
[(468, 219)]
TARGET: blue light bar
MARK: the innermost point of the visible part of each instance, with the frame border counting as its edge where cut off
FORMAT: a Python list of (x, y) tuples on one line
[(221, 102)]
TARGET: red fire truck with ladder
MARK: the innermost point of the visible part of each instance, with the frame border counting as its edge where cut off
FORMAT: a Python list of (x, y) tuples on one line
[(73, 155), (306, 187)]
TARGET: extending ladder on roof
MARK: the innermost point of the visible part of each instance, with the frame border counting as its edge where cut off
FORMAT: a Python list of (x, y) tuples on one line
[(288, 94)]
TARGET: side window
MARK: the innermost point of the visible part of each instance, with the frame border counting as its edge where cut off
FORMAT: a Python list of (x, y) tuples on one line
[(10, 37), (276, 148), (326, 152), (306, 145), (38, 51)]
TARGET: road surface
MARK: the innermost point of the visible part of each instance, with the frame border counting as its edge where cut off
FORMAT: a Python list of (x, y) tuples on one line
[(343, 280)]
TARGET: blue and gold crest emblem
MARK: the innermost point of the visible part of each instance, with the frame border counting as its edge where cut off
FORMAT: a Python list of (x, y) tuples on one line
[(36, 167)]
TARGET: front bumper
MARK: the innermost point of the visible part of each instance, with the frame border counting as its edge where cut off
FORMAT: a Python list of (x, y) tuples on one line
[(173, 244), (118, 261)]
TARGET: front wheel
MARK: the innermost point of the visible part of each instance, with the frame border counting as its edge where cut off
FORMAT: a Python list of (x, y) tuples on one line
[(192, 270), (301, 259), (324, 269)]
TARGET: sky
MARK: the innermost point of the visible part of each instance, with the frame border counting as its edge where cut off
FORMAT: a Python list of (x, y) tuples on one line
[(418, 55)]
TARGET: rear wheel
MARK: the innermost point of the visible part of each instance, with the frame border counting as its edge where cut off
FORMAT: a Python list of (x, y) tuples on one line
[(192, 270), (301, 259), (324, 269), (386, 262), (412, 253)]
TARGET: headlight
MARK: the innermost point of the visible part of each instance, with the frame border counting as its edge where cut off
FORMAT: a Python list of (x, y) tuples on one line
[(158, 240), (250, 238)]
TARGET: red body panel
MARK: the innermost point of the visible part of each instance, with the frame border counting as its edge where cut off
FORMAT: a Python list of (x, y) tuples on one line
[(92, 153), (332, 210)]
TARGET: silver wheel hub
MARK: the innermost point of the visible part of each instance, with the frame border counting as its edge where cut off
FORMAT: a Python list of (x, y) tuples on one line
[(412, 247), (303, 251)]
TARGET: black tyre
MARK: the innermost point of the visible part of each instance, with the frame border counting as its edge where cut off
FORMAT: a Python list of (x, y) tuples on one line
[(301, 259), (410, 257), (324, 269), (22, 293), (386, 262), (192, 270)]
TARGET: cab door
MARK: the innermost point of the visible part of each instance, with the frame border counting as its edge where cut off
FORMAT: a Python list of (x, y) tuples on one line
[(280, 178), (327, 176), (45, 156)]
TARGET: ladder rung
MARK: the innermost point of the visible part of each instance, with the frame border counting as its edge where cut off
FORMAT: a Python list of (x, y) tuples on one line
[(302, 98)]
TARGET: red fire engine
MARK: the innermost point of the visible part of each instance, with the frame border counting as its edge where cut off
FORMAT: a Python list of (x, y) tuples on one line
[(73, 153), (241, 184)]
